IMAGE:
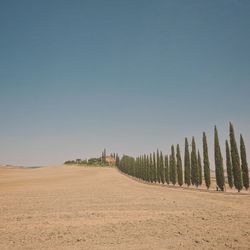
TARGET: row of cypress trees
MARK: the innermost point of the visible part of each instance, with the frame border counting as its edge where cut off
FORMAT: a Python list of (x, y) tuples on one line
[(160, 168), (236, 164)]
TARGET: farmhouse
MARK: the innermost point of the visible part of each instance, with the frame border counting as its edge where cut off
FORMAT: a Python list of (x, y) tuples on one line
[(110, 160)]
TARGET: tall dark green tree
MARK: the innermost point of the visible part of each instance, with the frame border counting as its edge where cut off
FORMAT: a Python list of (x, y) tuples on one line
[(170, 169), (162, 169), (126, 164), (148, 168), (104, 156), (229, 166), (158, 166), (172, 166), (151, 168), (179, 166), (135, 167), (219, 171), (145, 168), (117, 160), (244, 165), (194, 165), (154, 168), (199, 168), (166, 169), (235, 160), (139, 167), (142, 167), (187, 170), (206, 161)]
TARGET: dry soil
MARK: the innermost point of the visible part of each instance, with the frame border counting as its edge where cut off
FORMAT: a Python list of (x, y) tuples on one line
[(64, 207)]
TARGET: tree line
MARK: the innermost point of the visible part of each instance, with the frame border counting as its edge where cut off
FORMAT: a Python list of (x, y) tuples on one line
[(97, 161), (158, 168)]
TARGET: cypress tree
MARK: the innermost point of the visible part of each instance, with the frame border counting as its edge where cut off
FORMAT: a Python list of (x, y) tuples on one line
[(187, 172), (235, 160), (141, 173), (117, 160), (136, 167), (179, 166), (158, 166), (199, 169), (154, 168), (219, 171), (244, 165), (194, 165), (129, 165), (104, 156), (229, 166), (206, 162), (142, 167), (170, 169), (166, 169), (145, 168), (148, 170), (139, 167), (162, 168), (133, 172), (151, 168), (126, 164), (133, 164), (173, 166)]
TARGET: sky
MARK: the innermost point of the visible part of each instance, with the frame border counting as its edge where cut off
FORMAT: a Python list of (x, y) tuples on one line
[(129, 76)]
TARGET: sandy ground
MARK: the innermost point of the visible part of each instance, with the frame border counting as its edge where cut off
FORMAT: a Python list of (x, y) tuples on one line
[(65, 207)]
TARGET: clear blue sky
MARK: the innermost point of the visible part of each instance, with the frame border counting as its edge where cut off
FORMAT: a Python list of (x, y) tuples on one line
[(131, 76)]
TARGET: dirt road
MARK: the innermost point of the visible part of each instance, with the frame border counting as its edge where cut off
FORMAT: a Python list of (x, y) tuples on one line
[(66, 207)]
